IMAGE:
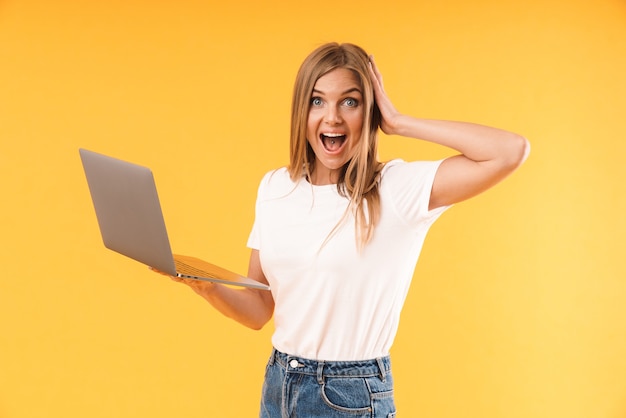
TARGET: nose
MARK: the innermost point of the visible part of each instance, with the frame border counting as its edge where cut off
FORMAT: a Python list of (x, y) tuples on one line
[(332, 116)]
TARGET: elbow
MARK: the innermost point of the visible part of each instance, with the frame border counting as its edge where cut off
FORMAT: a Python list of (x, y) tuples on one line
[(518, 149), (257, 325), (525, 149), (258, 321)]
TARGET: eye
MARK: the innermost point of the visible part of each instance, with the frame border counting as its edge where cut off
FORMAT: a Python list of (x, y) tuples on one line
[(350, 102), (316, 101)]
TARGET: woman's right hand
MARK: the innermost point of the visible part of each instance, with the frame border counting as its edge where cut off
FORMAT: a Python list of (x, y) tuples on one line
[(198, 286), (250, 307)]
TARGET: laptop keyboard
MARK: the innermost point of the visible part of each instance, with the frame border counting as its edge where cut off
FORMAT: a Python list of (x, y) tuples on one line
[(188, 270)]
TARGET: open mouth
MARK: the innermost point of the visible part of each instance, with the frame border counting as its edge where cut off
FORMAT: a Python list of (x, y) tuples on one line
[(332, 142)]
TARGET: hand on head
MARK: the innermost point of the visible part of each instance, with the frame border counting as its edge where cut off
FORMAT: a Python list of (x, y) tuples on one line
[(387, 109)]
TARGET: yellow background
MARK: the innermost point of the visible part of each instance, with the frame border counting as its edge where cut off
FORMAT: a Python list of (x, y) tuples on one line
[(518, 304)]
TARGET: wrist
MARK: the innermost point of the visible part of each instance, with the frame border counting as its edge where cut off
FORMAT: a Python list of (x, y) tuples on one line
[(204, 289), (399, 125)]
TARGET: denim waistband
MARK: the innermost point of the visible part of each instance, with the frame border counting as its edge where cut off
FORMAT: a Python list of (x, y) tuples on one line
[(380, 366)]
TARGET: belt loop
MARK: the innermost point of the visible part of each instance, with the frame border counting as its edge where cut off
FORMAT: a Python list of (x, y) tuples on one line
[(320, 372), (272, 357), (381, 366)]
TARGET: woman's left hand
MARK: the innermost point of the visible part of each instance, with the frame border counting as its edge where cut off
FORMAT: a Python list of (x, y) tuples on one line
[(390, 116)]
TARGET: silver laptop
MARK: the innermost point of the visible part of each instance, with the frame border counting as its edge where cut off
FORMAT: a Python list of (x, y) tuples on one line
[(131, 221)]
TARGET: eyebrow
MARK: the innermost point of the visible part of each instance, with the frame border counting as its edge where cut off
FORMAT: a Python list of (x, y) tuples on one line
[(352, 90)]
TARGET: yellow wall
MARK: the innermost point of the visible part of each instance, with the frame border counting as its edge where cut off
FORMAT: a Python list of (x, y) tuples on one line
[(517, 309)]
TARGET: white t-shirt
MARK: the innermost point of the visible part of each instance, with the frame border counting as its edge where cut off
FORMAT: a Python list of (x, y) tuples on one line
[(332, 302)]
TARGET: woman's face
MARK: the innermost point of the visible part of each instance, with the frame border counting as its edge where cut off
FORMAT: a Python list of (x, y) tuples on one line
[(335, 123)]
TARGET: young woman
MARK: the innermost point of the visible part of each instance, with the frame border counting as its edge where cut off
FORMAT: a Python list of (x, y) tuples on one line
[(337, 235)]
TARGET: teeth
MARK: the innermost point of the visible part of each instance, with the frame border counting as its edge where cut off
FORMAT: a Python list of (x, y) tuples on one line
[(332, 139)]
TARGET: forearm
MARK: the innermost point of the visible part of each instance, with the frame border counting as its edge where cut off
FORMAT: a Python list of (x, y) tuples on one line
[(249, 307), (476, 142)]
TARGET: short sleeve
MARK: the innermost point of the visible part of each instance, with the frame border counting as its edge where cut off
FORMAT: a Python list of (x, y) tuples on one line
[(254, 239), (409, 185)]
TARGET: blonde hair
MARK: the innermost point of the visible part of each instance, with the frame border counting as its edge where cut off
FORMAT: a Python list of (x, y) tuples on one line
[(359, 177)]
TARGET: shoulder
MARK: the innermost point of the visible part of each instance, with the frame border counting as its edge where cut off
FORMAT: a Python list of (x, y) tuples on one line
[(276, 182), (277, 176), (406, 186)]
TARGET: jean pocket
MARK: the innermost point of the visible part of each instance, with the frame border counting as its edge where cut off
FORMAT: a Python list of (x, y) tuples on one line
[(347, 394), (383, 404), (382, 394)]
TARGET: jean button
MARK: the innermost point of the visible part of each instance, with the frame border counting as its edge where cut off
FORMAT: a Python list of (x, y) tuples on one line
[(294, 364)]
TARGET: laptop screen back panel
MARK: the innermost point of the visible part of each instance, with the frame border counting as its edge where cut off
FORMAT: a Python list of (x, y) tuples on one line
[(128, 210)]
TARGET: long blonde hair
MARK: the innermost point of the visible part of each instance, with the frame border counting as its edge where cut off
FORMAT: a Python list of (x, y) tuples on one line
[(359, 177)]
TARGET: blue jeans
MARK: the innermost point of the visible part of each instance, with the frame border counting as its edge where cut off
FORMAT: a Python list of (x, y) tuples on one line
[(295, 387)]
